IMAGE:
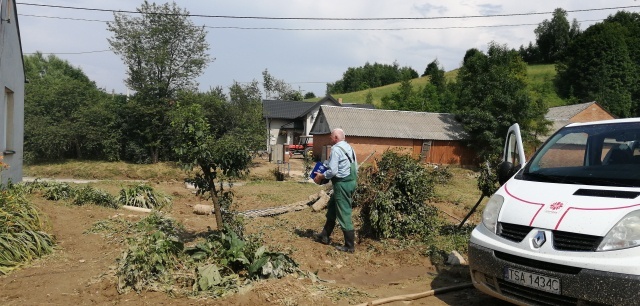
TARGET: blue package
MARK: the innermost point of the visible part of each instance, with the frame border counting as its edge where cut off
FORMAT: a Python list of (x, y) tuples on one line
[(319, 167)]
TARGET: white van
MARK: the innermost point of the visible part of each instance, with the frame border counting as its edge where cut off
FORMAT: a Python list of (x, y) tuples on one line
[(564, 228)]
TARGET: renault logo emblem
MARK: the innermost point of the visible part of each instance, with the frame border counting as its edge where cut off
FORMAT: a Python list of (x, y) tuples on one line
[(539, 239)]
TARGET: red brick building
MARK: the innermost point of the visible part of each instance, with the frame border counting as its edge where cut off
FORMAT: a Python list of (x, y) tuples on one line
[(584, 112), (433, 137)]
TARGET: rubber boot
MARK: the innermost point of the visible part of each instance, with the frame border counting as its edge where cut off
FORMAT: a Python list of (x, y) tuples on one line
[(325, 236), (349, 242)]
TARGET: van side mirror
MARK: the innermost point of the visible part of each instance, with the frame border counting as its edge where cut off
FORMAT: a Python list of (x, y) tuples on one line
[(505, 172)]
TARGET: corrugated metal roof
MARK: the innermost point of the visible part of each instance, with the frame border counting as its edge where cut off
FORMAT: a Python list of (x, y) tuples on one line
[(389, 124), (358, 105), (566, 112)]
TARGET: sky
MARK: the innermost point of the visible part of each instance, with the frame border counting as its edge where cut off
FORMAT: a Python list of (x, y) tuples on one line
[(307, 54)]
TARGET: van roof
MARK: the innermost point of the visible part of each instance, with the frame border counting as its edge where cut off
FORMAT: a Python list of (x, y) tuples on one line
[(626, 120)]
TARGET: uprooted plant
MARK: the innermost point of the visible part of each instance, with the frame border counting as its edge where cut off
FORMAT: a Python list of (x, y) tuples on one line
[(216, 264), (140, 195), (144, 196), (22, 238), (393, 196)]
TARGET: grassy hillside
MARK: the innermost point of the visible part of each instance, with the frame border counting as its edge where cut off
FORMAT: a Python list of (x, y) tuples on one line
[(540, 82)]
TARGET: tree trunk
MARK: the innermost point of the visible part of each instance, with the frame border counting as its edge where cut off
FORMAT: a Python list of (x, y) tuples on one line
[(78, 150), (154, 155), (209, 176), (216, 207)]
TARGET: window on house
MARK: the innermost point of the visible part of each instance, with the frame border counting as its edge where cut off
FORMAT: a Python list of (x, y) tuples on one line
[(7, 123)]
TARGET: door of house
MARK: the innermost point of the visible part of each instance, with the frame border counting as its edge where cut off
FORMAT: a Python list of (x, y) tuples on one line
[(426, 148)]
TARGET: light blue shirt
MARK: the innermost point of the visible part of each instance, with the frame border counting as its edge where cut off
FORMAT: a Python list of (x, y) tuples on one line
[(338, 164)]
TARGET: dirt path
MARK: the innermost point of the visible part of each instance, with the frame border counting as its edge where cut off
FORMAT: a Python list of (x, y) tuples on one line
[(80, 272)]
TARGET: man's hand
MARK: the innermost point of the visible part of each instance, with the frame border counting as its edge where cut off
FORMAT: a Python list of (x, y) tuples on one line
[(319, 177)]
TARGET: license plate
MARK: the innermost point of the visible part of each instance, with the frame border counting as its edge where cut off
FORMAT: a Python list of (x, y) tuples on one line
[(532, 280)]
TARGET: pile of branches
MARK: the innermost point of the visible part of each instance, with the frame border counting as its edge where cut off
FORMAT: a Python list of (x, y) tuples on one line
[(216, 264), (393, 195)]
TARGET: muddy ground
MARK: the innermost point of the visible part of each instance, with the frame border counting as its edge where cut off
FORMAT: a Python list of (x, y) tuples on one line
[(81, 270)]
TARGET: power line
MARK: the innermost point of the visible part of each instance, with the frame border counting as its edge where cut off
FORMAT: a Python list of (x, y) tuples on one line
[(63, 18), (67, 53), (330, 29), (333, 18)]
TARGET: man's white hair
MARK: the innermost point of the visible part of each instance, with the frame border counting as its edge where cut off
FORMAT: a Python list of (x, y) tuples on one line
[(338, 132)]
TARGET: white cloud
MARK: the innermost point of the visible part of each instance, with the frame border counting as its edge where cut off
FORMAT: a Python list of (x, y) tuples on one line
[(301, 56)]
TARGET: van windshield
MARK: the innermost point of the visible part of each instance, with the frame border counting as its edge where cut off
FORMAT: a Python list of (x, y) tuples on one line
[(598, 154)]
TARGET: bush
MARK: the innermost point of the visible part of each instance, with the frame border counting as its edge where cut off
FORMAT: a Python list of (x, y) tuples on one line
[(393, 198), (441, 175), (58, 191)]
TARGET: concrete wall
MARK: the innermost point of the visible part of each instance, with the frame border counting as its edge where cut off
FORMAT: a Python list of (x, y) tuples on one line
[(12, 94)]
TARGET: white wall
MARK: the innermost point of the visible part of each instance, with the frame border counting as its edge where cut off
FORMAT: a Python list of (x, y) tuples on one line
[(274, 131), (11, 93)]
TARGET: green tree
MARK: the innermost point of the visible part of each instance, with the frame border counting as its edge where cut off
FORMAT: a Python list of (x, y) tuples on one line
[(164, 52), (429, 98), (553, 36), (492, 95), (607, 73), (217, 152), (247, 126), (404, 98), (276, 89), (66, 115), (530, 54), (370, 76), (436, 74), (575, 29)]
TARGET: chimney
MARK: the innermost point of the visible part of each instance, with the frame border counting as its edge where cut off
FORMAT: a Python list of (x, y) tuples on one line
[(340, 100)]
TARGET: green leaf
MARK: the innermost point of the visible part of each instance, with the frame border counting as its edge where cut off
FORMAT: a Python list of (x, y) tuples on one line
[(257, 265), (208, 276)]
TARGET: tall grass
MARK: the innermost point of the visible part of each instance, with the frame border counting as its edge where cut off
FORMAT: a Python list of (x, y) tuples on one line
[(85, 169), (21, 235)]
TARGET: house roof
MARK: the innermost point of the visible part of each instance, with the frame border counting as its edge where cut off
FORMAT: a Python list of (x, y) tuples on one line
[(297, 109), (567, 112), (359, 105), (388, 124), (285, 109), (562, 115)]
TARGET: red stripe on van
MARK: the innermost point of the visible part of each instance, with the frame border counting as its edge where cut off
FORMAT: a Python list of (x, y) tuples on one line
[(525, 201), (579, 208)]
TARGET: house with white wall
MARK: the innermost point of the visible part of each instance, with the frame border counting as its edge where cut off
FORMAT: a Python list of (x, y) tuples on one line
[(12, 81), (286, 121)]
